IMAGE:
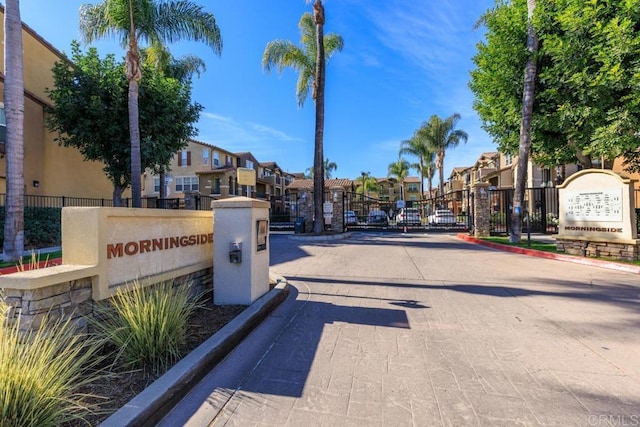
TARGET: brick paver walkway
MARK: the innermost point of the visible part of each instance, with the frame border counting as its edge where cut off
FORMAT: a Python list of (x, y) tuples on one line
[(428, 330)]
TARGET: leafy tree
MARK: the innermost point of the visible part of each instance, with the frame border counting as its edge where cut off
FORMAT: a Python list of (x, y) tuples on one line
[(181, 69), (587, 74), (161, 21), (417, 146), (399, 169), (440, 135), (91, 115), (13, 245), (309, 60)]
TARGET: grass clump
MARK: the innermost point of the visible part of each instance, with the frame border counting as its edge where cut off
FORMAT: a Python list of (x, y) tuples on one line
[(39, 371), (148, 325), (540, 246)]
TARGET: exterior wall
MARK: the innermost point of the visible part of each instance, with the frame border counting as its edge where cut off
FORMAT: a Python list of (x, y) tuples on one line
[(59, 171)]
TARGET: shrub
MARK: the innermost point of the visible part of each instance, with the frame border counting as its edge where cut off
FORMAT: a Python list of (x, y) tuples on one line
[(41, 227), (148, 325), (39, 371)]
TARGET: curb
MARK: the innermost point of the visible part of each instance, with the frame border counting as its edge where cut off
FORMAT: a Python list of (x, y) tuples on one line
[(549, 255), (155, 401), (322, 237)]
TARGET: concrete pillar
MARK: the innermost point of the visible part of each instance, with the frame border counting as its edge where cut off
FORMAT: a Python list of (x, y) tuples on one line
[(190, 201), (481, 210), (240, 250)]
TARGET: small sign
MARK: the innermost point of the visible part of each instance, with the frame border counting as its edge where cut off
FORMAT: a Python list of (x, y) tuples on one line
[(262, 228), (400, 204), (246, 176), (327, 209)]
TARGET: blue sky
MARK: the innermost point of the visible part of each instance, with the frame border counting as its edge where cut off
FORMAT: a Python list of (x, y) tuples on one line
[(403, 61)]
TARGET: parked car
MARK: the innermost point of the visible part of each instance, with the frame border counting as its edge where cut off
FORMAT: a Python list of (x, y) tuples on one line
[(442, 216), (378, 218), (350, 218), (409, 216)]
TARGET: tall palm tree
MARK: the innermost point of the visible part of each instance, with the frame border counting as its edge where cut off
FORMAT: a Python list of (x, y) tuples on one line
[(441, 135), (13, 245), (528, 95), (367, 183), (309, 60), (399, 169), (162, 21), (329, 166)]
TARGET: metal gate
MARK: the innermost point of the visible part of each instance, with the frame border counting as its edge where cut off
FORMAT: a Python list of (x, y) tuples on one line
[(541, 207)]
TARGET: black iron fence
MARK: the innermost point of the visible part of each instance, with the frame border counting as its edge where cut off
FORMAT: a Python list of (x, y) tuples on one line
[(541, 207)]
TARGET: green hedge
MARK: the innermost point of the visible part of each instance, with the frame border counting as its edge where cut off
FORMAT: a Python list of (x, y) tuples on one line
[(41, 227)]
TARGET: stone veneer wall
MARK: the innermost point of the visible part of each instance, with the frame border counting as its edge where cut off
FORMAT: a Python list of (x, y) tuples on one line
[(481, 210), (305, 209), (620, 251), (73, 299)]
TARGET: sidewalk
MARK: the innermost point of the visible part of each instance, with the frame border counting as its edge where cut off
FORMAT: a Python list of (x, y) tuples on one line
[(430, 330)]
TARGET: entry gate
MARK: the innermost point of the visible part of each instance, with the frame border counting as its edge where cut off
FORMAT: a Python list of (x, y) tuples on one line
[(541, 207)]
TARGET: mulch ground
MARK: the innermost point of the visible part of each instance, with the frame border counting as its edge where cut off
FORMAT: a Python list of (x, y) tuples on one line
[(116, 389)]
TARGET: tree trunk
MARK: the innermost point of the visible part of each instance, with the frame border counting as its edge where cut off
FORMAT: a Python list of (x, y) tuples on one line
[(163, 185), (13, 246), (441, 174), (318, 162), (134, 75), (525, 127), (117, 196)]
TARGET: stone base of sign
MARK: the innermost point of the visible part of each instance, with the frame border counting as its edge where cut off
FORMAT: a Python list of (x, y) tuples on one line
[(625, 251), (71, 299)]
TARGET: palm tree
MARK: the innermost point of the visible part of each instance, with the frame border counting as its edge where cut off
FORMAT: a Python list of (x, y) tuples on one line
[(417, 146), (328, 167), (528, 95), (440, 136), (309, 60), (181, 69), (399, 169), (154, 21), (367, 183), (13, 245)]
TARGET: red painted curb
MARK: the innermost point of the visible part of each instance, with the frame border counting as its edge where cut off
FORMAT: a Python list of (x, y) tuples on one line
[(41, 264), (549, 255)]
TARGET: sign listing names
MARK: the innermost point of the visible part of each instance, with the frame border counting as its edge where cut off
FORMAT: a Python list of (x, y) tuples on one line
[(599, 205)]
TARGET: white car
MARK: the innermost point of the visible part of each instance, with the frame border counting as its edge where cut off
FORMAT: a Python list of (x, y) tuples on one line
[(442, 216), (350, 218), (409, 216)]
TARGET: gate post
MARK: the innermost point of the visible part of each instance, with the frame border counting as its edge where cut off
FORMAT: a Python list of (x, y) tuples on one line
[(337, 198), (481, 210)]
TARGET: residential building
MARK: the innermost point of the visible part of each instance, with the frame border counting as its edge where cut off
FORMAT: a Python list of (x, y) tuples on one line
[(49, 169), (412, 188)]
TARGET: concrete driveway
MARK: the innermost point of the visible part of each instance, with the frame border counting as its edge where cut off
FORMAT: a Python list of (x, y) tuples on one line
[(429, 330)]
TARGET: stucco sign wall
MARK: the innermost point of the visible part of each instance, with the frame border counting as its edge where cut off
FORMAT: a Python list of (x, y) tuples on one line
[(597, 205)]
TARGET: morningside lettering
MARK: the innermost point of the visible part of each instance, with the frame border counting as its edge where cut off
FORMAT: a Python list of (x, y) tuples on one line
[(118, 250), (598, 229)]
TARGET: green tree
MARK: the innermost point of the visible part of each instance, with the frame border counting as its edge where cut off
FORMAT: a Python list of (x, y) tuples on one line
[(587, 74), (399, 169), (440, 135), (309, 61), (366, 184), (13, 245), (162, 21), (181, 69), (91, 113), (417, 146)]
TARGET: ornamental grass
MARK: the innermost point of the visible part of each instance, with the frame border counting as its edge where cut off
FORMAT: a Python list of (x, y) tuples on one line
[(39, 371), (148, 325)]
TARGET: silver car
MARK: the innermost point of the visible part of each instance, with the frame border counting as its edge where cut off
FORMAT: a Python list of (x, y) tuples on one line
[(442, 216)]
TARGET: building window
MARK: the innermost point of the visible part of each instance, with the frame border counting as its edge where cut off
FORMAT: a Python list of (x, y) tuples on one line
[(228, 161), (546, 177), (187, 183), (508, 159), (412, 187), (205, 156), (249, 164), (216, 186), (156, 184), (216, 158), (184, 159)]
